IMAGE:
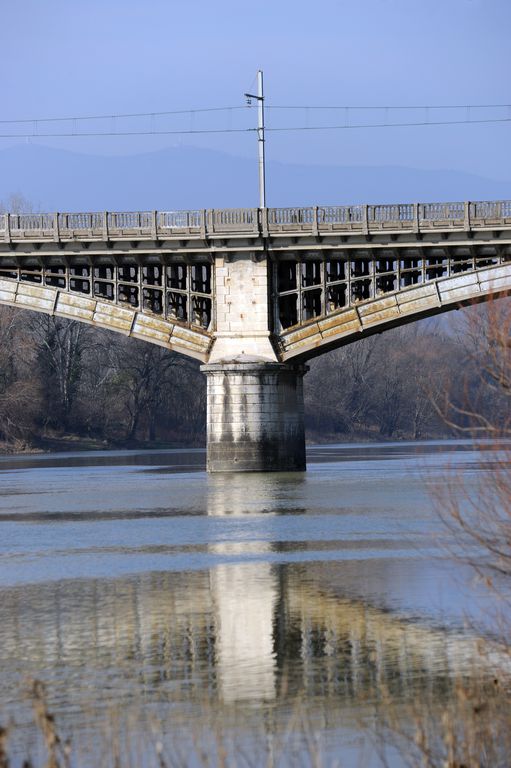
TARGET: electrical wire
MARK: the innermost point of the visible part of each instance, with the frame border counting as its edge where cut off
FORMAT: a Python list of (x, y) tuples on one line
[(121, 133), (282, 129), (121, 116), (354, 107), (351, 126), (168, 113)]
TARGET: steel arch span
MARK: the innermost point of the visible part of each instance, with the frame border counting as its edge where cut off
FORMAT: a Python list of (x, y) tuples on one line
[(379, 314)]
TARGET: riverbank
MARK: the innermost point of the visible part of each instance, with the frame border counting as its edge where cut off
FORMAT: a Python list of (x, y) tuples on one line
[(70, 442)]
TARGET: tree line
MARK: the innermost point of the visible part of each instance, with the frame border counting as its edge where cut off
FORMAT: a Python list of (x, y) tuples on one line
[(60, 377), (390, 386)]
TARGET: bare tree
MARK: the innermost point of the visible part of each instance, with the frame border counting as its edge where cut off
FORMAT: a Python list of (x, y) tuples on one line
[(481, 410), (60, 348), (16, 203), (380, 386), (19, 391), (473, 727), (144, 376)]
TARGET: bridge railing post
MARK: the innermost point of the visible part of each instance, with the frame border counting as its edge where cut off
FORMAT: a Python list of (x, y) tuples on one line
[(263, 217), (315, 227), (105, 225), (365, 220), (416, 217), (203, 224), (254, 217), (466, 217), (56, 231)]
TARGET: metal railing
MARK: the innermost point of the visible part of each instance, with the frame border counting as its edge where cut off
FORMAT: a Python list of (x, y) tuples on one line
[(155, 224)]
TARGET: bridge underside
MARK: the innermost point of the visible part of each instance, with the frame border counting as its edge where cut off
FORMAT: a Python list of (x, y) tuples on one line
[(389, 309), (316, 300), (169, 305)]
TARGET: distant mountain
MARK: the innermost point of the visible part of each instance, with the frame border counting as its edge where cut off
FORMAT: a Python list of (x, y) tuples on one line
[(188, 177)]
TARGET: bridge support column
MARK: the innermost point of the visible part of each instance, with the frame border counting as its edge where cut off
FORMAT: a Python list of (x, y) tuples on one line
[(255, 416)]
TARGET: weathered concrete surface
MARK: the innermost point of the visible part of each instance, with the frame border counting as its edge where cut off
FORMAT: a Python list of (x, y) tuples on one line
[(242, 309), (129, 321), (255, 416)]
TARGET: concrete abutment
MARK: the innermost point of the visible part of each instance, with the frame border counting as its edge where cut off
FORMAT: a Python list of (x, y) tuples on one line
[(255, 416)]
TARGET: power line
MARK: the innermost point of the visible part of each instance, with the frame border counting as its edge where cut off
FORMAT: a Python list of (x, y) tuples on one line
[(125, 115), (121, 133), (345, 126), (354, 107), (348, 127), (167, 113)]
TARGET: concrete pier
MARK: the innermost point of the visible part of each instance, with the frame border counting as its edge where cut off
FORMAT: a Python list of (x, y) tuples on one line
[(255, 416)]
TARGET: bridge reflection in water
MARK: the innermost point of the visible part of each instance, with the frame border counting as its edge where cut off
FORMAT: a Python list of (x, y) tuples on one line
[(252, 632), (190, 657)]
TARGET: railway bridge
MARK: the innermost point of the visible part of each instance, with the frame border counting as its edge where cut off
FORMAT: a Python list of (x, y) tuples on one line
[(253, 293)]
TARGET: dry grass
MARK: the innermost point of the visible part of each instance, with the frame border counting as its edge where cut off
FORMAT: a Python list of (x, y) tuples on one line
[(473, 730), (131, 739)]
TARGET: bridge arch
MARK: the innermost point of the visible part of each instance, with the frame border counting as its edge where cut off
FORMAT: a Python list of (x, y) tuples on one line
[(129, 321), (379, 314)]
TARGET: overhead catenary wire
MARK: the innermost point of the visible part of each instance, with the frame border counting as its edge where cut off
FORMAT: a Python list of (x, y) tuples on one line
[(123, 133), (382, 107), (351, 126), (275, 129), (282, 107), (121, 116)]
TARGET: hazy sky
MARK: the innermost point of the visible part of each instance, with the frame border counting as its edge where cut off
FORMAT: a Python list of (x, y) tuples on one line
[(77, 57)]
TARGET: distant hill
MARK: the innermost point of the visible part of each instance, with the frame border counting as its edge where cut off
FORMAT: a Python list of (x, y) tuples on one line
[(188, 177)]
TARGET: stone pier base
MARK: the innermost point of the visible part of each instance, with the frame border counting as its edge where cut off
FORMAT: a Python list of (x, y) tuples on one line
[(255, 417)]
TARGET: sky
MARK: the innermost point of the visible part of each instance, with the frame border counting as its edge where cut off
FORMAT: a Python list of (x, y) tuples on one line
[(75, 58)]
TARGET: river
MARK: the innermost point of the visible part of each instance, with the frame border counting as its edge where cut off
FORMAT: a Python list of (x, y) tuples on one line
[(181, 617)]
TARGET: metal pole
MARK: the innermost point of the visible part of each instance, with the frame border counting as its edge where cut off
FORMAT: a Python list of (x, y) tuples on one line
[(260, 135), (260, 140)]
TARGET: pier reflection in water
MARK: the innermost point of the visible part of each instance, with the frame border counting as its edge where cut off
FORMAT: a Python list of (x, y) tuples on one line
[(314, 587)]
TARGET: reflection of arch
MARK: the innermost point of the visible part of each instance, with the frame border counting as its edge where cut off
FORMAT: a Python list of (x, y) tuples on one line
[(399, 308), (126, 320), (168, 628)]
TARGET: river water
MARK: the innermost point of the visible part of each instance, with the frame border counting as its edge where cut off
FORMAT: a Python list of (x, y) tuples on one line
[(202, 619)]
